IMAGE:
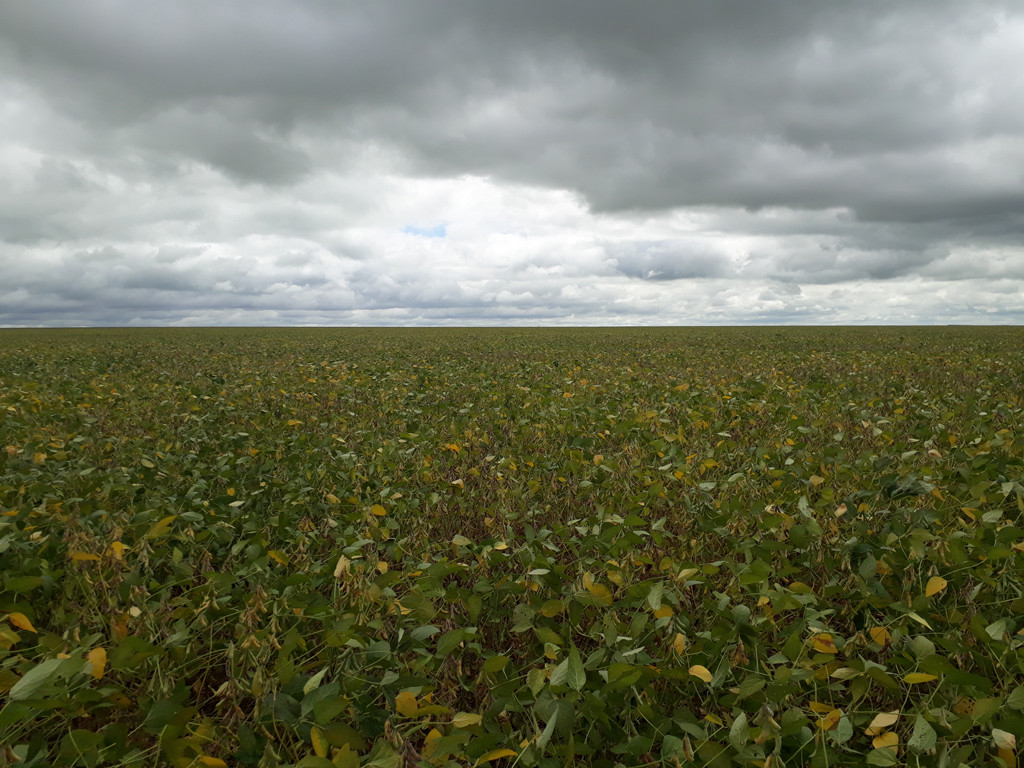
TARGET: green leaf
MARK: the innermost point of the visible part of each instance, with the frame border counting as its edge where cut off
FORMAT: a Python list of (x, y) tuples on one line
[(535, 680), (43, 674), (383, 755), (883, 757), (1016, 698), (739, 733), (450, 641), (923, 737), (577, 676)]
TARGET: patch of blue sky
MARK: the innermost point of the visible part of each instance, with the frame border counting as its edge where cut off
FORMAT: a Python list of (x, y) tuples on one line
[(438, 230)]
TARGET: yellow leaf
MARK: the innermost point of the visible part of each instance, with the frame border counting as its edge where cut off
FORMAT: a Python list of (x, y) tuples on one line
[(919, 677), (331, 498), (212, 762), (405, 704), (231, 491), (39, 458), (817, 480), (831, 720), (663, 612), (885, 740), (429, 743), (117, 548), (320, 745), (494, 754), (79, 556), (20, 620), (935, 585), (713, 718), (382, 567), (453, 447), (701, 672), (820, 707), (679, 643), (378, 510), (882, 721), (880, 635), (500, 546), (466, 719), (344, 566), (824, 643), (98, 658)]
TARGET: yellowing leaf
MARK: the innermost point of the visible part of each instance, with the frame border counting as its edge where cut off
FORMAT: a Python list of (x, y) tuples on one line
[(39, 458), (79, 556), (880, 635), (405, 704), (332, 499), (320, 744), (378, 510), (212, 762), (964, 705), (466, 719), (831, 720), (820, 707), (599, 592), (453, 447), (918, 619), (551, 608), (501, 545), (98, 658), (382, 566), (919, 677), (663, 612), (701, 672), (277, 556), (161, 527), (885, 740), (935, 585), (494, 754), (117, 547), (881, 721), (817, 480), (20, 620), (824, 643)]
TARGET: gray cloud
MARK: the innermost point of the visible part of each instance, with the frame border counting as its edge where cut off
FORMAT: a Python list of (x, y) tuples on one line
[(597, 161)]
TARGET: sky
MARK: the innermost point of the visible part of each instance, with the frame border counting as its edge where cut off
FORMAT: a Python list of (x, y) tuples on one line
[(457, 162)]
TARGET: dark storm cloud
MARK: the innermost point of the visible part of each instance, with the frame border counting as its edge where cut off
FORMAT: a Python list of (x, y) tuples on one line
[(813, 143)]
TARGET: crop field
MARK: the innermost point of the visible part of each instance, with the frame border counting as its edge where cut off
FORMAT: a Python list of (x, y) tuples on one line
[(528, 547)]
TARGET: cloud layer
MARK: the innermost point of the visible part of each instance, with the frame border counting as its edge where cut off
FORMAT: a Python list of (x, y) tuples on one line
[(502, 163)]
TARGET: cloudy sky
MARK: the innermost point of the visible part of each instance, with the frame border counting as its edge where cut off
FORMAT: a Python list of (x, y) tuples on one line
[(252, 162)]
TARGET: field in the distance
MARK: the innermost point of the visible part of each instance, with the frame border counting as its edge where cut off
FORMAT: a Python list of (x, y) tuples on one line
[(389, 548)]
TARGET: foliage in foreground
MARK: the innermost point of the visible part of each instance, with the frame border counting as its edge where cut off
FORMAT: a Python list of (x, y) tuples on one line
[(535, 548)]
